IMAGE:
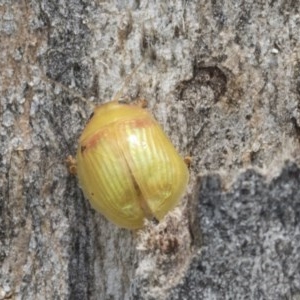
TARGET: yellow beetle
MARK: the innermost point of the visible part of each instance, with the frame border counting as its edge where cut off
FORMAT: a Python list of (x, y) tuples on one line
[(127, 167)]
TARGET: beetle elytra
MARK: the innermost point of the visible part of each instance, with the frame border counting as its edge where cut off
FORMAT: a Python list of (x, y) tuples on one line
[(127, 167)]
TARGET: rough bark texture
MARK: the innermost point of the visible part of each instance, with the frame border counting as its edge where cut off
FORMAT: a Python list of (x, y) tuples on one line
[(222, 78)]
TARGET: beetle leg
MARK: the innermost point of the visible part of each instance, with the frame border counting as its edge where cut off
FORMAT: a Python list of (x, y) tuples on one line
[(154, 221), (71, 164), (123, 99), (188, 160), (141, 102)]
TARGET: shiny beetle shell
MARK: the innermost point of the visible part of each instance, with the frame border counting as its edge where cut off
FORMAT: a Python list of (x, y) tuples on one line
[(127, 167)]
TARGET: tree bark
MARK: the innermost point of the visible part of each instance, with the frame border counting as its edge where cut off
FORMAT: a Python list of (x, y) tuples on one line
[(223, 80)]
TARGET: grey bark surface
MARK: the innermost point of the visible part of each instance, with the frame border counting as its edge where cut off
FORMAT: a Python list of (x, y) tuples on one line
[(223, 80)]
